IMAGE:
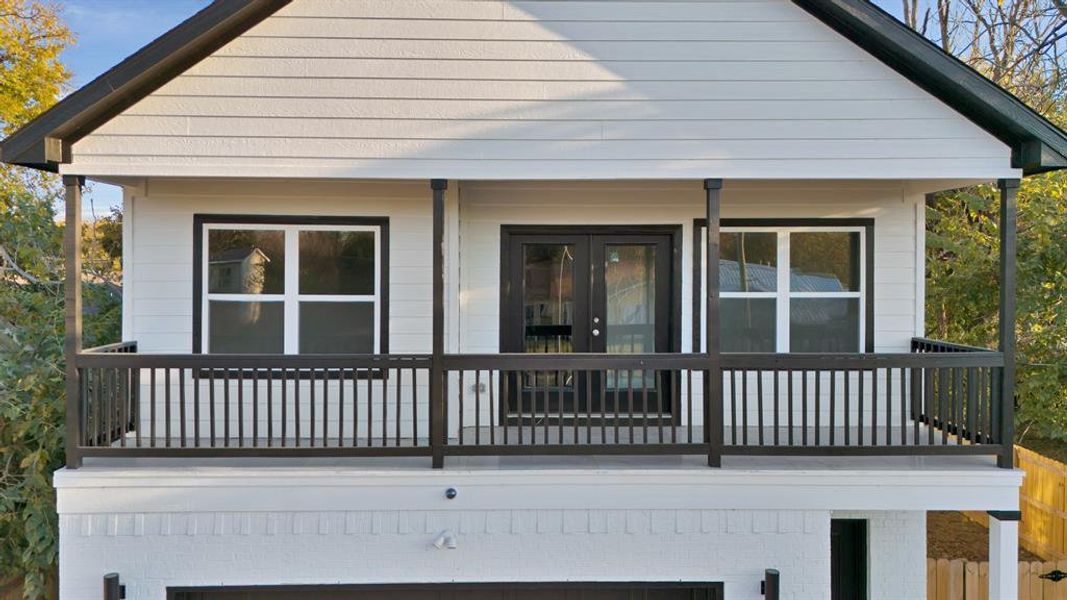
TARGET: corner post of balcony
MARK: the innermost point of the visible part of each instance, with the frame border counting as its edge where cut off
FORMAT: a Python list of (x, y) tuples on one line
[(438, 410), (713, 417), (72, 297), (1008, 242)]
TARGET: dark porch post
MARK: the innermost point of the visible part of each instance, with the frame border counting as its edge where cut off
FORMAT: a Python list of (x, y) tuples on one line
[(713, 386), (438, 408), (72, 297), (1008, 208)]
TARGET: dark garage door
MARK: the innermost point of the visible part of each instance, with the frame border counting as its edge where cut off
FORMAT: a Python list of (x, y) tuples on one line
[(570, 591)]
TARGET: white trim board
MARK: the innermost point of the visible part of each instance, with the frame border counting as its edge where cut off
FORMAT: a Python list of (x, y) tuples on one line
[(254, 489)]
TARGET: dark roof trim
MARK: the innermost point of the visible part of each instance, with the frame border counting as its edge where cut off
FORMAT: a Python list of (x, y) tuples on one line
[(1037, 145), (45, 142)]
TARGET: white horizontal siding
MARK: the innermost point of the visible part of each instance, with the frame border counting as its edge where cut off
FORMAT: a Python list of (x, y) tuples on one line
[(541, 90)]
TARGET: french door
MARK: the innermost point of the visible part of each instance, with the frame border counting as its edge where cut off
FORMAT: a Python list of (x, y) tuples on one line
[(590, 290)]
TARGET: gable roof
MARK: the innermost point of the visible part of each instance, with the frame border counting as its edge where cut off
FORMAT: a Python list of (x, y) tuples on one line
[(44, 143)]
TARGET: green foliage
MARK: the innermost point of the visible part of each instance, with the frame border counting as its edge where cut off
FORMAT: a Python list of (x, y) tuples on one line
[(962, 288), (31, 305)]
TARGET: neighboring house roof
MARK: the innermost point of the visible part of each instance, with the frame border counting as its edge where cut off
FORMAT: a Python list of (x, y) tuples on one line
[(236, 255), (763, 278), (44, 143)]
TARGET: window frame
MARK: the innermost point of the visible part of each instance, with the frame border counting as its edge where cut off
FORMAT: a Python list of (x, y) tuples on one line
[(291, 297), (782, 295)]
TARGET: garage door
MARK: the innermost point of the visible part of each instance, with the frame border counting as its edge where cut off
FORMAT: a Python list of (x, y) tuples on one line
[(540, 591)]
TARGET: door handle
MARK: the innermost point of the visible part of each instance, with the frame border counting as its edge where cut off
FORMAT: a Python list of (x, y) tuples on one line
[(596, 333)]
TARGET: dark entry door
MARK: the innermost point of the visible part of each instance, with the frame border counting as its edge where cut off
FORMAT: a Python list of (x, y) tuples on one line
[(588, 291), (848, 559)]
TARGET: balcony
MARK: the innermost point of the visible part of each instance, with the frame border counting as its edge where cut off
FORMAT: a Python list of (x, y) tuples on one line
[(939, 399)]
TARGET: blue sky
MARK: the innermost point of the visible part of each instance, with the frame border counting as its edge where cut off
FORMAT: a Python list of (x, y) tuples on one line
[(110, 30)]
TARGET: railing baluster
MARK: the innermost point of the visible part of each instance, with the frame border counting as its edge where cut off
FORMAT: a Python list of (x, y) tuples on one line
[(385, 406), (744, 406), (777, 407), (943, 412), (957, 403), (759, 405), (874, 407), (399, 386), (311, 406), (733, 406), (559, 407), (226, 407), (848, 403), (789, 402), (859, 406), (270, 407), (804, 407), (370, 406), (690, 422), (211, 405), (630, 397), (462, 409), (833, 407), (972, 398), (151, 409), (818, 408), (181, 405), (240, 408)]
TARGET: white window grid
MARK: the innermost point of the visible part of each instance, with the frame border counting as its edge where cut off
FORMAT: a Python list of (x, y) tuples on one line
[(782, 294), (292, 297)]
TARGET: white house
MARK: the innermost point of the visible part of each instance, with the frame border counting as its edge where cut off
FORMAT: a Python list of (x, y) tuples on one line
[(478, 355)]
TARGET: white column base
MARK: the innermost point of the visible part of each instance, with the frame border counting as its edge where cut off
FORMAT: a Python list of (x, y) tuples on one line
[(1003, 559)]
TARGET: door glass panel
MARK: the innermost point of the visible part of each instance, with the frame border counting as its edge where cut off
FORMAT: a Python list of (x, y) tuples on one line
[(630, 290), (548, 305)]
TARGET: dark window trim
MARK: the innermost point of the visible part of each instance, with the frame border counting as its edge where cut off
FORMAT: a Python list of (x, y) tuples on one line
[(868, 232), (716, 588), (200, 220), (674, 231)]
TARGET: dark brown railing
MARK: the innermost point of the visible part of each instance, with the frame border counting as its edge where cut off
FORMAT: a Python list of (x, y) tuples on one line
[(939, 399)]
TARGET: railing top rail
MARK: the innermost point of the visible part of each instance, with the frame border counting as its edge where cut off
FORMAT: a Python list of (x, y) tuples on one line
[(120, 347), (830, 362), (943, 346), (574, 360), (252, 361)]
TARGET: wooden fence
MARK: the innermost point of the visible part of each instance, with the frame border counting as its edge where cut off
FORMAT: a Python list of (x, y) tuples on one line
[(966, 580), (1043, 501)]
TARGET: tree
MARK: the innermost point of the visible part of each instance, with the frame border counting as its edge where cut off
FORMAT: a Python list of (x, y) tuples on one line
[(1019, 44), (31, 303)]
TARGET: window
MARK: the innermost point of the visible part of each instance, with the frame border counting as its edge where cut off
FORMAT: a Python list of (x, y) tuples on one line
[(273, 285), (792, 286)]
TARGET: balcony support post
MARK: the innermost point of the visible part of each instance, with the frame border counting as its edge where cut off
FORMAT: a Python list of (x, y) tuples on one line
[(438, 408), (72, 302), (1008, 211), (1004, 553), (713, 417)]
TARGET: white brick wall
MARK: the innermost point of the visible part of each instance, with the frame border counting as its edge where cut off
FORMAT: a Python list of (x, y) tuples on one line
[(151, 551), (896, 553)]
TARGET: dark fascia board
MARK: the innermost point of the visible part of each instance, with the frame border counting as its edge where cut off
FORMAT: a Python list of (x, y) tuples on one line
[(1037, 145), (45, 142)]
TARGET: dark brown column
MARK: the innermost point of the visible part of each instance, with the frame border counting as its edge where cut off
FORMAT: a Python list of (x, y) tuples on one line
[(438, 406), (713, 422), (1008, 242), (72, 295)]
